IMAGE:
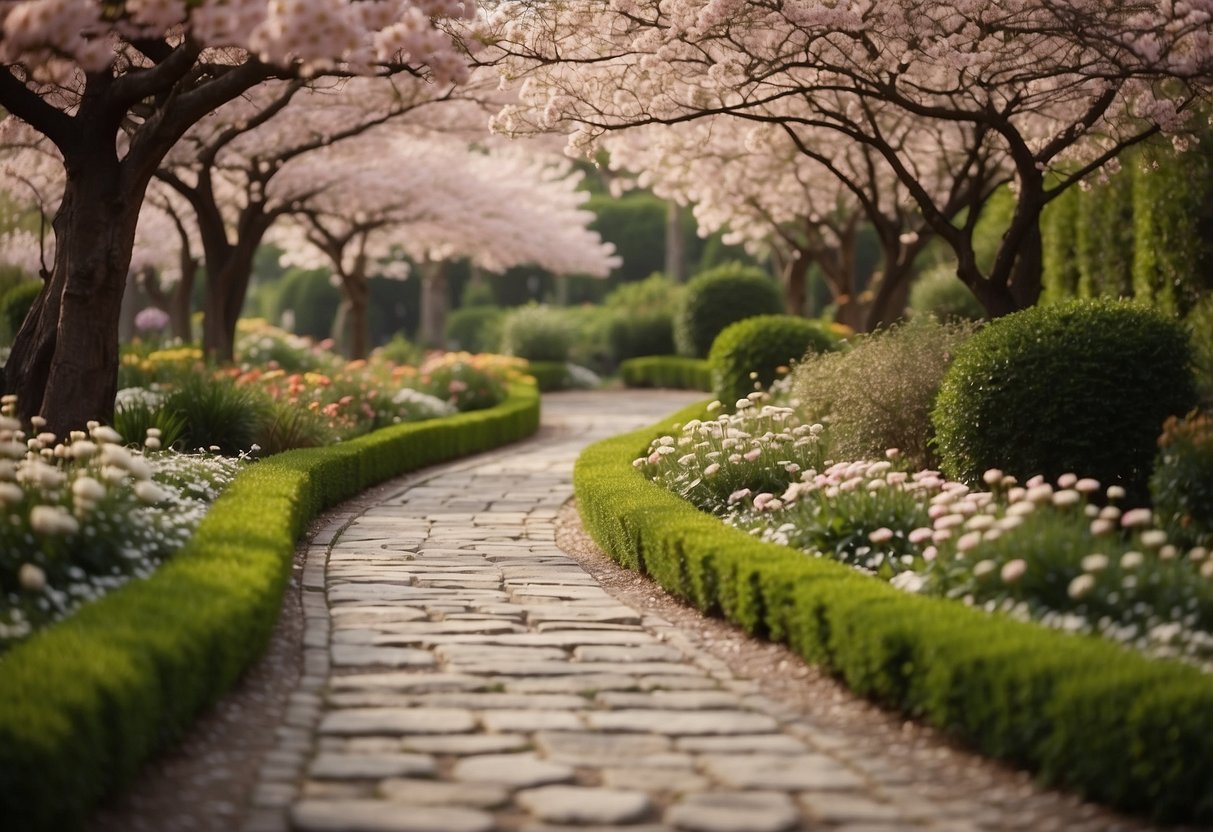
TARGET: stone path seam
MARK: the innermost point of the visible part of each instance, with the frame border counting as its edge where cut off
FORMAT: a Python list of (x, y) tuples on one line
[(462, 674)]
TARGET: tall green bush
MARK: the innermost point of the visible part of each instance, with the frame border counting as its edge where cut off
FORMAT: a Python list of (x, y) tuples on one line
[(537, 333), (474, 328), (642, 317), (16, 303), (718, 297), (1080, 387), (750, 353), (940, 293)]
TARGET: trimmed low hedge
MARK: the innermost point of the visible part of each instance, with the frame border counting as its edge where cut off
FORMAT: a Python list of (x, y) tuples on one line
[(550, 375), (88, 701), (1085, 714), (669, 371)]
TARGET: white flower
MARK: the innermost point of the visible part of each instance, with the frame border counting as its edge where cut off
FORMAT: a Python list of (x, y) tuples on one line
[(150, 492), (1013, 570), (1086, 485), (686, 459), (10, 492), (1131, 560), (881, 535), (711, 469), (1153, 538), (52, 520), (1136, 517), (908, 581), (1115, 492), (31, 578), (920, 535), (1066, 498), (106, 434), (968, 542), (739, 495), (983, 568), (1081, 586), (992, 477), (742, 404), (1094, 563), (87, 488), (1101, 527)]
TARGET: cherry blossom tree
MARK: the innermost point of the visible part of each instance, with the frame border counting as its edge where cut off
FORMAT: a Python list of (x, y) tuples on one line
[(1037, 87), (113, 86), (394, 194)]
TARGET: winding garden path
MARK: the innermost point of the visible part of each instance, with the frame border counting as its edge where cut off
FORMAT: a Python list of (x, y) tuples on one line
[(462, 673)]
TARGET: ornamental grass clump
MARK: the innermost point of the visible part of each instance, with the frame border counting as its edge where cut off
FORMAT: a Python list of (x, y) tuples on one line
[(878, 394), (85, 515)]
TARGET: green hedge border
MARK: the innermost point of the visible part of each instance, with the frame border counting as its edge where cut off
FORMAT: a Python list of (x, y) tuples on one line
[(551, 376), (1083, 713), (669, 371), (85, 703)]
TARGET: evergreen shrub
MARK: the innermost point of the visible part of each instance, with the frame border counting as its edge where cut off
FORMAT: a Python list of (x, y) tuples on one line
[(474, 328), (752, 352), (1081, 387), (939, 292), (718, 297), (537, 333)]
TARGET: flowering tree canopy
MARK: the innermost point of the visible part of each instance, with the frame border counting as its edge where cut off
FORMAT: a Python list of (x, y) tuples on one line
[(1034, 86), (392, 194), (113, 85)]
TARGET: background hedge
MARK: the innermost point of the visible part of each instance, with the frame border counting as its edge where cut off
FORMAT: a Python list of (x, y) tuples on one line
[(1085, 714), (88, 701), (669, 371)]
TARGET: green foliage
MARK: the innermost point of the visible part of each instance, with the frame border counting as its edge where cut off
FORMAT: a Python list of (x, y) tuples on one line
[(217, 413), (1181, 487), (313, 300), (1086, 714), (635, 223), (16, 303), (670, 371), (1104, 239), (91, 699), (1080, 387), (474, 328), (642, 317), (1200, 330), (285, 426), (755, 351), (716, 298), (400, 350), (1059, 236), (550, 375), (133, 420), (941, 293), (537, 333), (878, 394)]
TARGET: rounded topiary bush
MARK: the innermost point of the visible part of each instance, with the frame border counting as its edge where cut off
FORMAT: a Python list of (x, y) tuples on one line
[(474, 328), (716, 298), (1081, 387), (537, 333), (753, 350)]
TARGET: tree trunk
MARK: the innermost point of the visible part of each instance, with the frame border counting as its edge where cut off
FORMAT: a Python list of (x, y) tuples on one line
[(227, 282), (358, 328), (675, 244), (795, 283), (64, 361), (432, 332), (180, 301)]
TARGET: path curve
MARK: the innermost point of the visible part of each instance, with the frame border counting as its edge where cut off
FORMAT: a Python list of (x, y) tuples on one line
[(462, 674)]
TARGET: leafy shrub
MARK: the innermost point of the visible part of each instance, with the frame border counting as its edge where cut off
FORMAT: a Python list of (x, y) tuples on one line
[(536, 333), (218, 413), (1200, 327), (642, 317), (754, 351), (286, 426), (1182, 485), (311, 299), (135, 415), (461, 380), (258, 343), (940, 292), (878, 395), (474, 328), (718, 297), (672, 371), (400, 350), (1080, 387), (16, 302)]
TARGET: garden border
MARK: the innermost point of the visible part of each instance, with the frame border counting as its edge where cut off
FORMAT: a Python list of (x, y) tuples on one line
[(675, 372), (88, 701), (1083, 713)]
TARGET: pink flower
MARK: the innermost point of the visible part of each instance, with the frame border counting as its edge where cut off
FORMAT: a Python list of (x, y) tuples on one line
[(753, 454), (1013, 570), (881, 535)]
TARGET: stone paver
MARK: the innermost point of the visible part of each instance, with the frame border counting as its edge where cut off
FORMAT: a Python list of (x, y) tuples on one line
[(463, 675)]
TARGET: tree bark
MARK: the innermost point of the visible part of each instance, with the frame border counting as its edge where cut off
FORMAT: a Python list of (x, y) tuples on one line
[(64, 361), (433, 305), (358, 326), (229, 269), (795, 283)]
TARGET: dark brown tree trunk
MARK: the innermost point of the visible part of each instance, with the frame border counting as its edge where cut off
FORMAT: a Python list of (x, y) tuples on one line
[(229, 268), (180, 302), (358, 325), (433, 305), (64, 361), (795, 283)]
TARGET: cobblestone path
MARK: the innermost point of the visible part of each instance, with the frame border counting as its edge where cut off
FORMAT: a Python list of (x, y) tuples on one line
[(463, 674)]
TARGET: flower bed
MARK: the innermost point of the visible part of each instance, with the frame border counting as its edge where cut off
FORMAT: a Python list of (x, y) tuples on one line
[(1084, 713), (90, 699)]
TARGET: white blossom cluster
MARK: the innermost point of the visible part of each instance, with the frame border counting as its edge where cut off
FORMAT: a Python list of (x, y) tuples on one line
[(85, 515)]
